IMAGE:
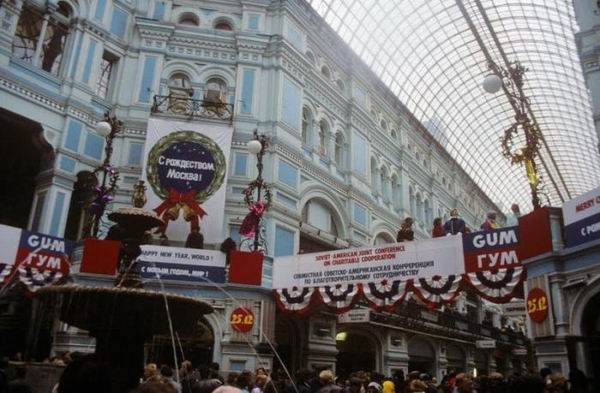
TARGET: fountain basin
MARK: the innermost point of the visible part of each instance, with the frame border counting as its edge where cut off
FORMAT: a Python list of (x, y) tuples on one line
[(107, 308), (123, 320)]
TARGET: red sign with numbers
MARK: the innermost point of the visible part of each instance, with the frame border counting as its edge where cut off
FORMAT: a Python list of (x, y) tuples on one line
[(537, 305), (241, 320)]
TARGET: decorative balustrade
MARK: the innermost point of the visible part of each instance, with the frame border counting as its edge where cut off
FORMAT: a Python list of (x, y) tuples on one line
[(414, 316), (192, 108)]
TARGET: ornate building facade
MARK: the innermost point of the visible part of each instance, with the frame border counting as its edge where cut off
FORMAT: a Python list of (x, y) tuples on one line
[(587, 13), (347, 160)]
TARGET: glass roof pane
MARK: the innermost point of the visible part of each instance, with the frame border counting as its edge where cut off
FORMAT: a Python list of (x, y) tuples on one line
[(425, 52)]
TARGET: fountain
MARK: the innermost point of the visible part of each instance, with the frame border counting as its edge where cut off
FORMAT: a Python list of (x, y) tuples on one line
[(123, 317)]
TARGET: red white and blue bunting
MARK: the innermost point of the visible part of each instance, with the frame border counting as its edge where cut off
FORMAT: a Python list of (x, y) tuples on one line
[(340, 297), (497, 286), (5, 270), (34, 278), (437, 290), (385, 294), (31, 258), (434, 271), (295, 299)]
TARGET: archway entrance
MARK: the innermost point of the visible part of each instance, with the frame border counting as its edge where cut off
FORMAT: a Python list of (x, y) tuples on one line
[(481, 362), (78, 217), (356, 352), (195, 345), (456, 358), (501, 361), (421, 356), (590, 329), (23, 153), (289, 343)]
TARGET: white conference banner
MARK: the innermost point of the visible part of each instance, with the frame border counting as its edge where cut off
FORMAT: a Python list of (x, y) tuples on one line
[(185, 166), (441, 256)]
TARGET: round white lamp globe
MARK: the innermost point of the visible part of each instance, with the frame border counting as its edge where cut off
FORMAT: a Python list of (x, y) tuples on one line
[(254, 146), (103, 128), (492, 83)]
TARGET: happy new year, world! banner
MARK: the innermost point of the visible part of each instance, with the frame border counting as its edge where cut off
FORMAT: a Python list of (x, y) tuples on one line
[(185, 164), (182, 264)]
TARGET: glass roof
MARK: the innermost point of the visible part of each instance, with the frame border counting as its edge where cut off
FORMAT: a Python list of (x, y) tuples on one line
[(426, 53)]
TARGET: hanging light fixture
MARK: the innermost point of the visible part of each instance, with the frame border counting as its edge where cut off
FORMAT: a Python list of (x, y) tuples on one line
[(492, 83)]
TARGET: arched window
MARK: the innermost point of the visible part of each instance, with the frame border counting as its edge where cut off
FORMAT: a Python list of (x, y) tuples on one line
[(396, 192), (216, 91), (42, 47), (383, 124), (78, 216), (420, 212), (325, 72), (340, 85), (383, 238), (223, 25), (323, 133), (310, 57), (307, 120), (318, 214), (394, 135), (375, 180), (428, 214), (180, 90), (385, 185), (413, 205), (188, 19), (179, 81), (339, 150)]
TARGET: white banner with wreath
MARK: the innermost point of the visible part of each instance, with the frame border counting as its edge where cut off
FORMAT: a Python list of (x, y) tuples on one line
[(185, 166)]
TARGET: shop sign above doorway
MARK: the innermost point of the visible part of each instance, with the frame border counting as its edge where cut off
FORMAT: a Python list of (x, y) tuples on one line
[(359, 315), (485, 344)]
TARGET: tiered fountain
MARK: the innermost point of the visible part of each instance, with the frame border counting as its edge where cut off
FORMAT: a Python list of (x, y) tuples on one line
[(125, 316)]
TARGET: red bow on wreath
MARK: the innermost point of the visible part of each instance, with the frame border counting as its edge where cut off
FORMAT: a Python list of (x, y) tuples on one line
[(185, 198), (250, 223)]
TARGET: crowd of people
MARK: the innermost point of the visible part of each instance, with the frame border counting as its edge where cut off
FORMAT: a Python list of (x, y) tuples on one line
[(86, 374), (208, 380), (456, 225)]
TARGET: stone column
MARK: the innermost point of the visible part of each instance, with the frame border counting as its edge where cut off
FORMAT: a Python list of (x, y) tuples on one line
[(395, 353), (321, 346)]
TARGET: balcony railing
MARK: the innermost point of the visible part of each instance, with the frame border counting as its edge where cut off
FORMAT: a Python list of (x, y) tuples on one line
[(192, 108), (414, 316)]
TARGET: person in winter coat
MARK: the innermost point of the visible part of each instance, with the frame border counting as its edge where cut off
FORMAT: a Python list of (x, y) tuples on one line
[(455, 224), (406, 233), (438, 228), (490, 223)]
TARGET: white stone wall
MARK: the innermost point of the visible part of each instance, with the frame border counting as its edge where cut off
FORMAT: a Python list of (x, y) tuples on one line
[(272, 40)]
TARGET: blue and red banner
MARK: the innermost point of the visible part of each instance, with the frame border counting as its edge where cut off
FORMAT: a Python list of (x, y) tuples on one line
[(582, 218), (491, 250), (33, 258)]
